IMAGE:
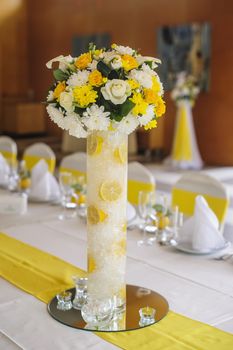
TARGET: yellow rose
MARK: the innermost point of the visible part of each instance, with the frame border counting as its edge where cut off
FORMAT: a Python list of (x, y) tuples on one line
[(129, 62), (59, 89), (96, 79), (83, 60)]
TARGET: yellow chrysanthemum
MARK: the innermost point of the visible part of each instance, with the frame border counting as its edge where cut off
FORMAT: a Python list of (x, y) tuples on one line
[(83, 60), (113, 46), (59, 89), (96, 79), (128, 62), (151, 125), (140, 105), (150, 96), (133, 84), (156, 86), (84, 95), (160, 107)]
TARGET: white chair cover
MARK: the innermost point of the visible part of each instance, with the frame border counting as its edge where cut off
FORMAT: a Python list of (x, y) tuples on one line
[(139, 179), (192, 184), (75, 163), (34, 153), (8, 149)]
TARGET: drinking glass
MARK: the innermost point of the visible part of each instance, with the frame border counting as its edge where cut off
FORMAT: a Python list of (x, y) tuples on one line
[(69, 202), (146, 202)]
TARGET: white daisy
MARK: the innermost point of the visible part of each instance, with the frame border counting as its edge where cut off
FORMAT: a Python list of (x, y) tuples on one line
[(146, 68), (95, 118), (73, 124), (78, 79), (93, 65), (128, 124), (147, 117), (56, 115), (50, 96), (144, 78)]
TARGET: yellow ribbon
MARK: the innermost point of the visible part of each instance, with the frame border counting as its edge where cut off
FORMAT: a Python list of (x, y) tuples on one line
[(32, 160), (74, 172), (134, 187), (182, 149), (44, 275), (185, 200), (10, 157)]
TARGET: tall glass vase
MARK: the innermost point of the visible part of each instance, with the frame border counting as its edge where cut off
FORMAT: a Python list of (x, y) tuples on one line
[(107, 159)]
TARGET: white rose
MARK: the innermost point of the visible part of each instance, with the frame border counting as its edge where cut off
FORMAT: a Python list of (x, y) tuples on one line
[(116, 91), (66, 101)]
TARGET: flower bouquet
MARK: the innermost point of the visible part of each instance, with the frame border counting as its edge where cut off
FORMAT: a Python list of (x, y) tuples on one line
[(105, 95)]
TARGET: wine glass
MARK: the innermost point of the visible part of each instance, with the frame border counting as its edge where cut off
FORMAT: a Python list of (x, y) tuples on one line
[(69, 198), (145, 209)]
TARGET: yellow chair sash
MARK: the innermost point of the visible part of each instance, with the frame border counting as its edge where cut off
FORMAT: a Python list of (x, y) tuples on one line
[(182, 149), (185, 200), (10, 157), (74, 172), (44, 275), (31, 161), (134, 187)]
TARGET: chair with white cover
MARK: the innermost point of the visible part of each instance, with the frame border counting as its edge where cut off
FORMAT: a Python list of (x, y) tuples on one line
[(34, 153), (139, 179), (8, 149), (192, 184), (74, 163)]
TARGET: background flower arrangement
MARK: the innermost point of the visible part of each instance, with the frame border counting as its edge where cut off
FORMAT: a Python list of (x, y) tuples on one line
[(115, 89), (186, 88)]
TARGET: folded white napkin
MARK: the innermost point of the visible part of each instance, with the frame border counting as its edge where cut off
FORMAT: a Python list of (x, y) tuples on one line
[(4, 170), (202, 229), (44, 186)]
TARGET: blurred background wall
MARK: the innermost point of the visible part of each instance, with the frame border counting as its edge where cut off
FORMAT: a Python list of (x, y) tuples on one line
[(32, 32)]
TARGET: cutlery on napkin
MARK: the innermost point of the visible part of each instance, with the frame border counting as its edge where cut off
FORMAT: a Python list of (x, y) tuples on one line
[(202, 229), (44, 186), (4, 170)]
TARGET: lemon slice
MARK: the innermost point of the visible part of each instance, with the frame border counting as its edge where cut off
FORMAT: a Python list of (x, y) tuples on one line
[(94, 144), (94, 215), (110, 190), (91, 264), (120, 154)]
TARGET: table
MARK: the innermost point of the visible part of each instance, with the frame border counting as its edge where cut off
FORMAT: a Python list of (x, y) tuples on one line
[(195, 286)]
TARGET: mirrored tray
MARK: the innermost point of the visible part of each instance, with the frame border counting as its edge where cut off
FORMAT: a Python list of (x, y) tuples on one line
[(136, 298)]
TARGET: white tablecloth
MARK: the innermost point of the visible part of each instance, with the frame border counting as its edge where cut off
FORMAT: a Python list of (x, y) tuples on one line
[(195, 286)]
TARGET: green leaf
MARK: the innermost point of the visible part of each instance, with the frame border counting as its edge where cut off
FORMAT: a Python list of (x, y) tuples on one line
[(60, 75), (126, 107), (79, 110), (103, 68)]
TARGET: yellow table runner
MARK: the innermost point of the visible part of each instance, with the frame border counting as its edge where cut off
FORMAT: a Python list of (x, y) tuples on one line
[(44, 275)]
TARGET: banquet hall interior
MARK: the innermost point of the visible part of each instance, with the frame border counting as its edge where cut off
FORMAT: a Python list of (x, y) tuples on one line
[(185, 162)]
